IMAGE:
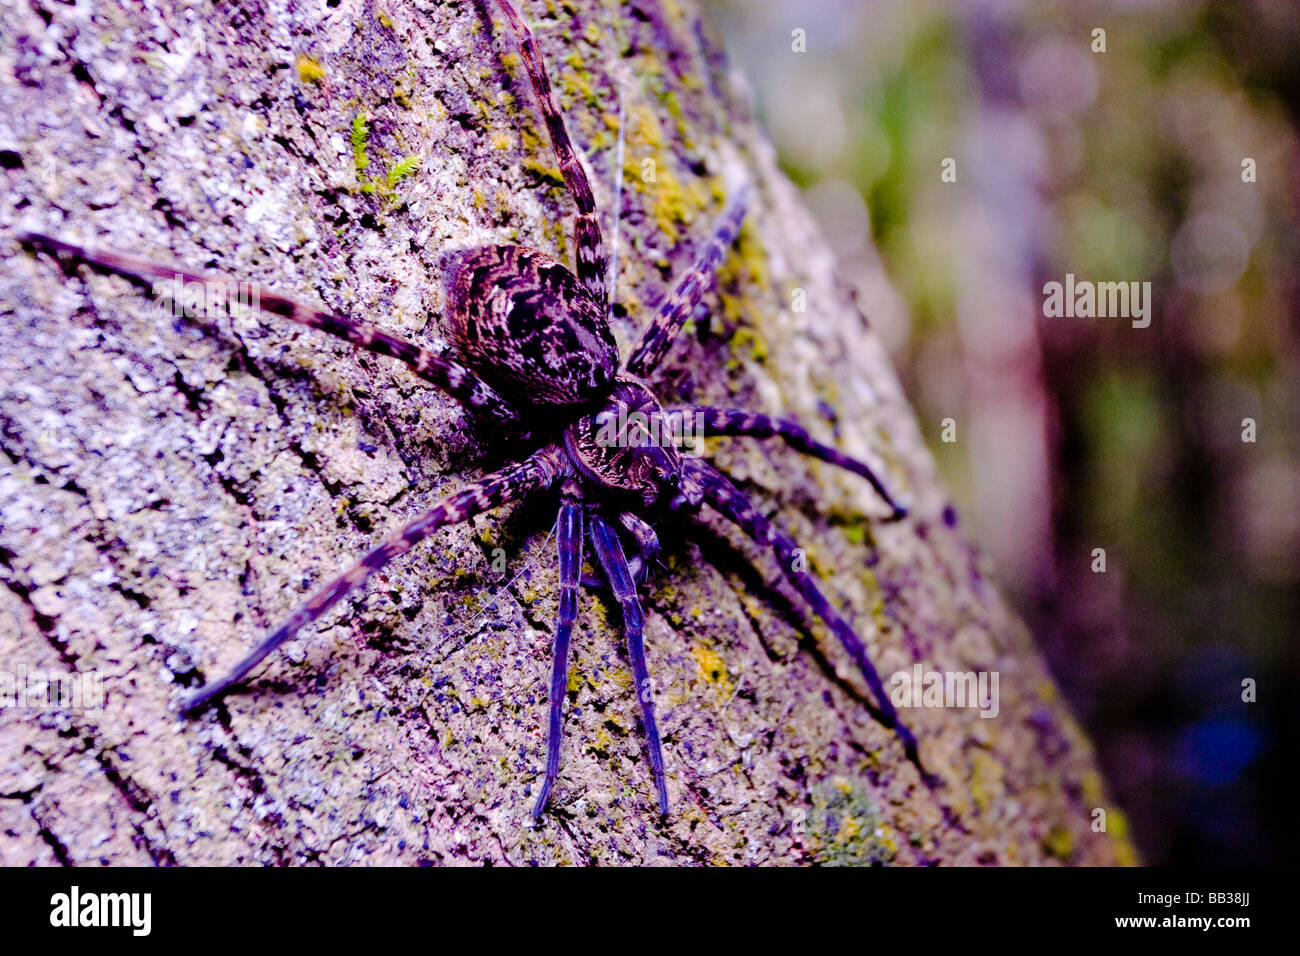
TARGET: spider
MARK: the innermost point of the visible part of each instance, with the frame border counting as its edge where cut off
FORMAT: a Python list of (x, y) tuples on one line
[(535, 359)]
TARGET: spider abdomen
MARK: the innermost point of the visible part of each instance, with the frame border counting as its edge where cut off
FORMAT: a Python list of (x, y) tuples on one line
[(527, 327)]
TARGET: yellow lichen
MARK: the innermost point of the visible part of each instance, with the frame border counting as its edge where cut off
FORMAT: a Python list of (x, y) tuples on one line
[(748, 342), (1090, 782), (711, 665), (1117, 826), (1059, 842), (309, 70)]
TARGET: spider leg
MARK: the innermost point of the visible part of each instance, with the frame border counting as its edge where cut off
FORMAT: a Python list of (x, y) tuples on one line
[(701, 481), (509, 484), (610, 554), (569, 542), (587, 237), (450, 376), (737, 421), (647, 543), (647, 550), (689, 290)]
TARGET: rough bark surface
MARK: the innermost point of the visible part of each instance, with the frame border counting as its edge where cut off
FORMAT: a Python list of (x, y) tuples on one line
[(172, 488)]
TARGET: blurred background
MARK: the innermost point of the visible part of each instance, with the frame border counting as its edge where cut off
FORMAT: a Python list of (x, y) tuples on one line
[(1075, 434)]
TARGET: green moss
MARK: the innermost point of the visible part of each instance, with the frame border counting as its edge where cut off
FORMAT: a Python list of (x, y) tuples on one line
[(360, 141), (601, 743), (1090, 782), (402, 94), (361, 161), (405, 167), (846, 827), (551, 174), (674, 203)]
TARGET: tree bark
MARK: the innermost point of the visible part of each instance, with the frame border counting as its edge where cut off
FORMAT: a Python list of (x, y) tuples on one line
[(173, 488)]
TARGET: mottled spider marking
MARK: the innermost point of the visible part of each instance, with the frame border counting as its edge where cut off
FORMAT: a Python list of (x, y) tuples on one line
[(452, 377), (689, 290), (523, 323), (588, 241), (538, 471)]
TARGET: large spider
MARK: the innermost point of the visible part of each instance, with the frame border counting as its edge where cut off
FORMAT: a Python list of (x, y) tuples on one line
[(536, 359)]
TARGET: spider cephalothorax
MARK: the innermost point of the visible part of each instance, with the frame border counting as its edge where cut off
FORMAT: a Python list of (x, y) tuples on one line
[(533, 356), (627, 446)]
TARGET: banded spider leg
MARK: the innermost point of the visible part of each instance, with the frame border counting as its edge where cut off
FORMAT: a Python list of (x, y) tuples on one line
[(538, 471), (590, 257), (704, 484), (440, 370)]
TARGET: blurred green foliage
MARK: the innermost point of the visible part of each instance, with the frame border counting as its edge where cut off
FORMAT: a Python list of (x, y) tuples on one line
[(1118, 165)]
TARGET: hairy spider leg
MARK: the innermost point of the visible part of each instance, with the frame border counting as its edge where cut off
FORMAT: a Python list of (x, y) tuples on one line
[(740, 422), (610, 554), (569, 543), (647, 543), (450, 376), (689, 290), (536, 472), (701, 481), (587, 238)]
